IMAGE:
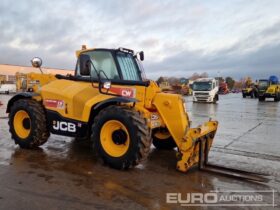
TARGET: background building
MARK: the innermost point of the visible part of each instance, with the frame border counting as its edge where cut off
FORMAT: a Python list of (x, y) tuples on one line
[(8, 72), (3, 78)]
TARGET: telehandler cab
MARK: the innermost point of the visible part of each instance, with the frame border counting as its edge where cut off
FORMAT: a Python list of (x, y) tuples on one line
[(109, 100), (269, 88)]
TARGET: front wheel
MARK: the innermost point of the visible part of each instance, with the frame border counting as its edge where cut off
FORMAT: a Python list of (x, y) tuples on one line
[(28, 123), (121, 137), (162, 139), (216, 98), (256, 94)]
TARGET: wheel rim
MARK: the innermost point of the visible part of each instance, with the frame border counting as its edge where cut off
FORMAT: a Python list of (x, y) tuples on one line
[(162, 134), (114, 138), (22, 124)]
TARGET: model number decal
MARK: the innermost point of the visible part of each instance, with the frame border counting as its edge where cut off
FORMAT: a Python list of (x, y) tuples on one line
[(34, 82), (53, 103), (64, 126)]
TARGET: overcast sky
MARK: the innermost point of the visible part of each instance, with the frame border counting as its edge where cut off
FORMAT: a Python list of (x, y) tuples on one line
[(226, 38)]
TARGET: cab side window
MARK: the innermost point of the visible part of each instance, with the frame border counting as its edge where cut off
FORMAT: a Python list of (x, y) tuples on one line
[(128, 67), (102, 61)]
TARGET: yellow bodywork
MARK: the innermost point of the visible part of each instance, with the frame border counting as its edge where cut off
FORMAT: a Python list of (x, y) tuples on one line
[(2, 79), (273, 89), (247, 90), (32, 81), (158, 108), (165, 86), (248, 86)]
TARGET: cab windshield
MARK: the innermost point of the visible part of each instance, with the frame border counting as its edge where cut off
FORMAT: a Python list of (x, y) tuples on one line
[(104, 61), (263, 84), (202, 86)]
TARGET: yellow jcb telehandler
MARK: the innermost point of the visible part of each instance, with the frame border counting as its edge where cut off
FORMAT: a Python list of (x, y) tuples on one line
[(109, 100), (249, 89)]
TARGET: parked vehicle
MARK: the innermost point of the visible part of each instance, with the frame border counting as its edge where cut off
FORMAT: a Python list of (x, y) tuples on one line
[(205, 90), (269, 88), (113, 105), (250, 89), (223, 88), (8, 88)]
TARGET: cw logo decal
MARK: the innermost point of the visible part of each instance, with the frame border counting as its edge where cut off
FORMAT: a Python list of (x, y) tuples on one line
[(125, 92)]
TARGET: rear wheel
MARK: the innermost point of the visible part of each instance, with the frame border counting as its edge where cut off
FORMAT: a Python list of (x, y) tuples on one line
[(121, 137), (28, 124), (244, 96), (162, 139), (252, 94)]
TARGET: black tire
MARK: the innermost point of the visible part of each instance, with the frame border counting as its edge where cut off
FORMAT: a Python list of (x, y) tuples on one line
[(165, 144), (39, 133), (244, 96), (252, 94), (277, 98), (139, 134), (256, 94), (261, 98), (216, 98)]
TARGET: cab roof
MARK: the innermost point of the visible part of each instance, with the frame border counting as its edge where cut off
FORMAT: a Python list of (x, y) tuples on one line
[(85, 49), (204, 79)]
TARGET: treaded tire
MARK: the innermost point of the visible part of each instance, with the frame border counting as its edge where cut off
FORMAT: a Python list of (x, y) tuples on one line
[(256, 94), (216, 98), (139, 133), (164, 144), (39, 133), (261, 98), (277, 98), (252, 94)]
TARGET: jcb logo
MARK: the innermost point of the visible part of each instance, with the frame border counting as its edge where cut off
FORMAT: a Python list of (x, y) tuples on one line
[(127, 93), (64, 126)]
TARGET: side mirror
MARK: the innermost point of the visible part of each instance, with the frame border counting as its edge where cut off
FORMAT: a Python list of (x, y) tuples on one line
[(141, 55), (36, 62), (85, 65)]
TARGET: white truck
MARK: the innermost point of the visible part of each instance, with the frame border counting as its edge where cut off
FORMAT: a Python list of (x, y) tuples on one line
[(205, 90), (8, 88)]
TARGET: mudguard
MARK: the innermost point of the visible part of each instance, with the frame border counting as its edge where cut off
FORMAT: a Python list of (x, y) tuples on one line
[(19, 96)]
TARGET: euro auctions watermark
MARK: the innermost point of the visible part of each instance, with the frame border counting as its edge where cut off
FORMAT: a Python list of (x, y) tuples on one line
[(264, 198)]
